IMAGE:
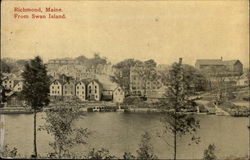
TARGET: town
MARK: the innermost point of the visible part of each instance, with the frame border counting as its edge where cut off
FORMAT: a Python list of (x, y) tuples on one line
[(87, 80)]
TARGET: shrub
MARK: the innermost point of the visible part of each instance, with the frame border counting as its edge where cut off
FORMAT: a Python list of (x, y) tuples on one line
[(209, 153), (8, 152)]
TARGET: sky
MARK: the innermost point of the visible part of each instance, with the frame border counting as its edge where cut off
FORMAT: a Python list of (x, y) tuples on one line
[(159, 30)]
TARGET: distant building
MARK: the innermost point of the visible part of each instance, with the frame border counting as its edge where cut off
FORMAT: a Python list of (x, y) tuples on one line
[(107, 92), (136, 84), (8, 83), (94, 90), (18, 86), (14, 100), (243, 80), (81, 90), (56, 88), (69, 88), (156, 94), (118, 95), (64, 61), (218, 67)]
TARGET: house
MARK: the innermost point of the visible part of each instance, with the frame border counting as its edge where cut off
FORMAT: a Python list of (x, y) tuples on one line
[(81, 90), (243, 80), (94, 90), (156, 94), (18, 85), (118, 95), (218, 67), (56, 88), (230, 80), (8, 83), (15, 100), (69, 88), (136, 84), (107, 93)]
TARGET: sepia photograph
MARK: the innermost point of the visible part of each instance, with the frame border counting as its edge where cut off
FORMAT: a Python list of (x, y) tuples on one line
[(125, 79)]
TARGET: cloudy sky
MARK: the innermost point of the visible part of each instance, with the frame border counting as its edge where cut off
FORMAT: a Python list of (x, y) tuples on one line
[(159, 30)]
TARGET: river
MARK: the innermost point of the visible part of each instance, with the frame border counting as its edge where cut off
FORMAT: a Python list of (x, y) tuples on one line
[(121, 132)]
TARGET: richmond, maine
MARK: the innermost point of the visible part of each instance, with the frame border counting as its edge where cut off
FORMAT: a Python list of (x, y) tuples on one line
[(146, 82)]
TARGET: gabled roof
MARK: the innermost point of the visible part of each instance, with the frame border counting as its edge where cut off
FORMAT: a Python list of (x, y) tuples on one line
[(68, 82), (97, 81), (85, 81), (209, 62), (109, 87), (16, 82), (118, 88), (58, 80), (216, 62), (231, 62)]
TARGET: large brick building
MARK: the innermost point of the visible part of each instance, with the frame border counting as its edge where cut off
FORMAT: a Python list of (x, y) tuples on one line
[(218, 67)]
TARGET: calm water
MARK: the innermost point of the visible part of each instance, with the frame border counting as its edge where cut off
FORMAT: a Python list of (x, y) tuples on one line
[(121, 132)]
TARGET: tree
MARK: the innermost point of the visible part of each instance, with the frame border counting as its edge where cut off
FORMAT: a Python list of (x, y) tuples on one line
[(209, 153), (97, 59), (5, 68), (100, 154), (7, 152), (82, 59), (59, 123), (145, 151), (147, 72), (36, 88), (128, 156), (3, 97), (122, 73), (197, 81), (176, 121)]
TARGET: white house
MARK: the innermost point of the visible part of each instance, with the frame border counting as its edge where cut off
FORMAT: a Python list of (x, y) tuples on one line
[(243, 80), (118, 95), (81, 90), (56, 88), (8, 83), (18, 86)]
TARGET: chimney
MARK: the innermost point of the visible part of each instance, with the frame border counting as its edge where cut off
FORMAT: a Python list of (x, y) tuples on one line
[(221, 58), (180, 60)]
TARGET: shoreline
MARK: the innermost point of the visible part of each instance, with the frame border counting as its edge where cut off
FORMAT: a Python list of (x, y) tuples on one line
[(9, 110)]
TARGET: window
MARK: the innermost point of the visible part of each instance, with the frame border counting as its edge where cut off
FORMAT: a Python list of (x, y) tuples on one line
[(82, 87), (77, 87), (65, 92), (82, 92), (77, 92), (52, 87), (58, 87), (58, 92), (95, 91)]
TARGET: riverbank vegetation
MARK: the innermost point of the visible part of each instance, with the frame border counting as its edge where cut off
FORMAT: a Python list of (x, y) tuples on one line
[(59, 123)]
